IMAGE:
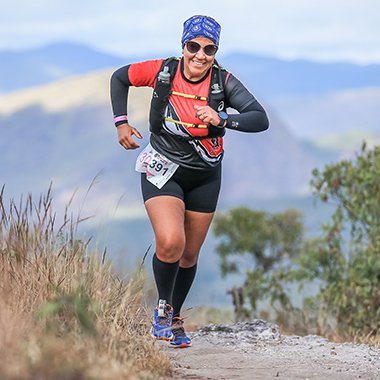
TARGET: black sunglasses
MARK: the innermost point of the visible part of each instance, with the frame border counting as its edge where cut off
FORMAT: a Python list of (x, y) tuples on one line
[(193, 47)]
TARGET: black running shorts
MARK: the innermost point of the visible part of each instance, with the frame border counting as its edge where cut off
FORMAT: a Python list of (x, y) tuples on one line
[(199, 189)]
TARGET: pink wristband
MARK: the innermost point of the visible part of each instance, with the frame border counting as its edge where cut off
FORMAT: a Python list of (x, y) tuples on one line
[(120, 118)]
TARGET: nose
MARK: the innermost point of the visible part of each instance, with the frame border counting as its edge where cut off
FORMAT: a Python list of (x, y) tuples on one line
[(200, 54)]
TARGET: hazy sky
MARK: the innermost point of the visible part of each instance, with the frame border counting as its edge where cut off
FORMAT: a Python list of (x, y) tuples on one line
[(328, 30)]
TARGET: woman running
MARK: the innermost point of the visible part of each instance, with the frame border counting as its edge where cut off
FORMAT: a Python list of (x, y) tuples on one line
[(181, 166)]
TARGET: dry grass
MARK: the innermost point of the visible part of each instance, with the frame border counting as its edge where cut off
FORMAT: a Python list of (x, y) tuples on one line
[(64, 314)]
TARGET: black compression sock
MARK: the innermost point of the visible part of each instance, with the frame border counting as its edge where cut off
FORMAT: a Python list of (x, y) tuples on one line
[(165, 275), (184, 280)]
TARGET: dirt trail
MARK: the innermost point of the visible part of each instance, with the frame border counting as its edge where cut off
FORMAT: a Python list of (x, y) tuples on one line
[(257, 350)]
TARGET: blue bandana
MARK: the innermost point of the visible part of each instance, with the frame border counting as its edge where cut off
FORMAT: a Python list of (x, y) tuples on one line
[(201, 26)]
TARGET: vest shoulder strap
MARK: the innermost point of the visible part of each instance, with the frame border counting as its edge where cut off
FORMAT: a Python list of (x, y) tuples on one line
[(216, 93), (172, 63)]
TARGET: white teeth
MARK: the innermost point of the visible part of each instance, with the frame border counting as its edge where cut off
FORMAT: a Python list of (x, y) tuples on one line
[(198, 63)]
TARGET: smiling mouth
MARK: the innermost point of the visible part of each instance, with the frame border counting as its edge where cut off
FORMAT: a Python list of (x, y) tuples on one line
[(198, 63)]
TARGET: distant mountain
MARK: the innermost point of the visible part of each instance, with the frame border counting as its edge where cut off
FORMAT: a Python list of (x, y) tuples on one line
[(21, 69), (67, 119), (273, 78), (348, 142), (269, 78), (338, 112), (266, 165), (65, 130)]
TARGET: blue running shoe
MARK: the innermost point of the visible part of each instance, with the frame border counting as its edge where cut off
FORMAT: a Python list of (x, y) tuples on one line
[(163, 315), (181, 340)]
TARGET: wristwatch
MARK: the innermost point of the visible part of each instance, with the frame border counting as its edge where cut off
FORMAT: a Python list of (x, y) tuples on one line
[(223, 118)]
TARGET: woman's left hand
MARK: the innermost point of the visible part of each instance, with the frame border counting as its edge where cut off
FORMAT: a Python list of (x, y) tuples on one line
[(207, 115)]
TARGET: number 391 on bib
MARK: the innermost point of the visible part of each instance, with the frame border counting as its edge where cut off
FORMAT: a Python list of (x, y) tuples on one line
[(157, 167)]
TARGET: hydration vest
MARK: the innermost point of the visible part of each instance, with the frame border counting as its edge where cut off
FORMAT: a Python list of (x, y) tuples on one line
[(163, 90)]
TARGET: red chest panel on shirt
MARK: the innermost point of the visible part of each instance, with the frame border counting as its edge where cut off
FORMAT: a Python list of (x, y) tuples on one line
[(185, 107), (186, 111)]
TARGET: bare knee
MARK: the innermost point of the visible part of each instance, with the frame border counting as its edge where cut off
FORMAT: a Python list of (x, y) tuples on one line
[(170, 248)]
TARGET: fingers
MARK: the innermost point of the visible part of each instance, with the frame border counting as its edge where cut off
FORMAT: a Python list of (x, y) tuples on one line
[(137, 133), (129, 144), (202, 113), (126, 137), (206, 114)]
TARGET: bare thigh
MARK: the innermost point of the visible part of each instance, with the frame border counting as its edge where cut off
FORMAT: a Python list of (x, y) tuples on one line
[(179, 234)]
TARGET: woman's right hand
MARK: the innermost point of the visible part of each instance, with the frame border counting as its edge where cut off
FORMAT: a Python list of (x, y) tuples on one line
[(125, 133)]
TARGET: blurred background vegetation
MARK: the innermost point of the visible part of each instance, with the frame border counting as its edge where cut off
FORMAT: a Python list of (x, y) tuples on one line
[(341, 265)]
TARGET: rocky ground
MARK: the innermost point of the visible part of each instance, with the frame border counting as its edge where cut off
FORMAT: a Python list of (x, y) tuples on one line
[(257, 350)]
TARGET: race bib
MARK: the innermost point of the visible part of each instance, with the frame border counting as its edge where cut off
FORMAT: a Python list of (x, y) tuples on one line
[(157, 167)]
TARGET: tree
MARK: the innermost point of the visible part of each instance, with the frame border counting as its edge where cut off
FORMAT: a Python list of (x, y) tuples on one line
[(269, 241), (346, 258), (344, 262)]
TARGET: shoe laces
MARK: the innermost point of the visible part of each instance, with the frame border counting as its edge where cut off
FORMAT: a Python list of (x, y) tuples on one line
[(163, 321), (177, 327)]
